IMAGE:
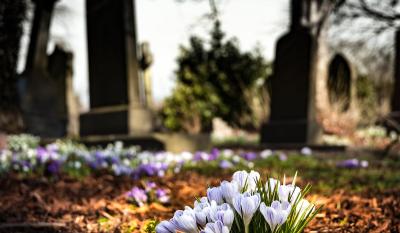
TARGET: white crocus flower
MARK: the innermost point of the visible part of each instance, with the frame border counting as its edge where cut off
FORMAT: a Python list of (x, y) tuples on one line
[(246, 180), (185, 220), (202, 209), (165, 227), (246, 205), (275, 215), (289, 193), (217, 227), (229, 190), (222, 213), (215, 194), (303, 208)]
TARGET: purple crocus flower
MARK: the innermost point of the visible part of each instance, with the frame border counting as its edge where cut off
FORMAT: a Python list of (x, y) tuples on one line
[(282, 156), (148, 169), (224, 164), (214, 154), (137, 195), (120, 169), (114, 160), (199, 155), (54, 167), (352, 163), (42, 154), (249, 156), (162, 195), (150, 186)]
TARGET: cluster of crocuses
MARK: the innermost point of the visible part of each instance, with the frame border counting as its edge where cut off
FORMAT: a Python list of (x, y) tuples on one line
[(245, 204), (26, 156), (150, 193)]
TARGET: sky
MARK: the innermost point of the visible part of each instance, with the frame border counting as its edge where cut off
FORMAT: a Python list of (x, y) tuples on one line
[(166, 24)]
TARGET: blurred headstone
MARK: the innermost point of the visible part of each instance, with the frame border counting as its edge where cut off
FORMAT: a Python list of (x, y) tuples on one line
[(12, 16), (292, 118), (42, 87), (114, 86), (61, 70), (45, 99), (395, 103)]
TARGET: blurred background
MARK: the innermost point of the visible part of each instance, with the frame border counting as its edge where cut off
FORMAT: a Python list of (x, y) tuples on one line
[(224, 71)]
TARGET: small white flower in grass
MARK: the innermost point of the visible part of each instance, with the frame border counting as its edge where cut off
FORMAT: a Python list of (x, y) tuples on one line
[(77, 164), (229, 190), (227, 153), (185, 220), (216, 227), (364, 163), (306, 151), (277, 214), (215, 194), (246, 205), (236, 159), (289, 193), (282, 156), (246, 180), (165, 227), (250, 165), (266, 153)]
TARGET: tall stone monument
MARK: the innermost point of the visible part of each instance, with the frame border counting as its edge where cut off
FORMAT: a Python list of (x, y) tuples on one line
[(41, 92), (395, 103), (116, 106), (292, 118)]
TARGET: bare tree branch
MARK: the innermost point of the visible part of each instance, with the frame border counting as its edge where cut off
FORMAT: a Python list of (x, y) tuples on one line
[(377, 13)]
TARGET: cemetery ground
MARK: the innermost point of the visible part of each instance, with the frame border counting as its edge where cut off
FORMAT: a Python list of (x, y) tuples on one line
[(358, 195)]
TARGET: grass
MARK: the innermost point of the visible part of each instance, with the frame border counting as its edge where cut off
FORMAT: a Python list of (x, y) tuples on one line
[(321, 171)]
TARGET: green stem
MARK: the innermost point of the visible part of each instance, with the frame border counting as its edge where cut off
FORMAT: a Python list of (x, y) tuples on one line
[(246, 229)]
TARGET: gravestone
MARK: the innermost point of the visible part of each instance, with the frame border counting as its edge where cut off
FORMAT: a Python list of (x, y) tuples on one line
[(395, 102), (12, 15), (292, 118), (42, 92), (116, 106), (61, 71)]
